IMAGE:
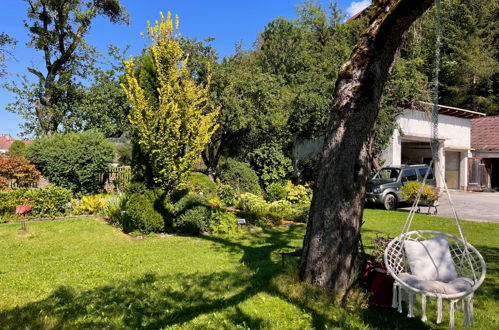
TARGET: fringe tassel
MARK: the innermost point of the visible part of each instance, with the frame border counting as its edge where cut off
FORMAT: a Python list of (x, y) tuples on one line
[(423, 308), (394, 295), (400, 300), (451, 314), (411, 305), (468, 311), (439, 309)]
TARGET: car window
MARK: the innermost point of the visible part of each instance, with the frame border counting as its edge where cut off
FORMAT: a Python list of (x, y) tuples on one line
[(387, 173), (422, 173), (410, 174)]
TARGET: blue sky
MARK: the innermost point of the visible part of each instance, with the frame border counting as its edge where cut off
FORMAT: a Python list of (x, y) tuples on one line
[(227, 21)]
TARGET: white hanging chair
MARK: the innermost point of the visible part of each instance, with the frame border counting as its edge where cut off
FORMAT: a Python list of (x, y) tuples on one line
[(429, 263)]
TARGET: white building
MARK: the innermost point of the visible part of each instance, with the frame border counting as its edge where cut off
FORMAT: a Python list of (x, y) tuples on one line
[(410, 144)]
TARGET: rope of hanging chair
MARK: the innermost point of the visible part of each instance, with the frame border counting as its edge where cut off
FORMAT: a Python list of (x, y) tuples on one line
[(435, 146)]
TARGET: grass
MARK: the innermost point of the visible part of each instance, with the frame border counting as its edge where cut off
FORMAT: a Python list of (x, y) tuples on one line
[(83, 273)]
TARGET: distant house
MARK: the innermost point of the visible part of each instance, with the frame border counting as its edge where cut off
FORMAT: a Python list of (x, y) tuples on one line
[(410, 143), (5, 142), (484, 165)]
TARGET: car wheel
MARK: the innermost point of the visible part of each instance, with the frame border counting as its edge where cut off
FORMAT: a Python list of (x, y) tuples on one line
[(390, 202)]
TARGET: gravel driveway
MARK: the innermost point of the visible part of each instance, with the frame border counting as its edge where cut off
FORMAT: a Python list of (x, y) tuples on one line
[(475, 206)]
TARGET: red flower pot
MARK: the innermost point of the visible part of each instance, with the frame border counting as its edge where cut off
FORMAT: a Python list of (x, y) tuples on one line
[(379, 283)]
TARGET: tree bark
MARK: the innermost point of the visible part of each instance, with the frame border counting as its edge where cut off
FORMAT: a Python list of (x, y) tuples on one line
[(333, 231)]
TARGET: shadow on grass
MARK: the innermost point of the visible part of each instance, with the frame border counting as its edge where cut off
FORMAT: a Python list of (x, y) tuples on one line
[(154, 302)]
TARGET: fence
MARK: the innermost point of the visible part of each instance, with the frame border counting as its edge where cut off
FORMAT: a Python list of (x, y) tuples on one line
[(116, 178)]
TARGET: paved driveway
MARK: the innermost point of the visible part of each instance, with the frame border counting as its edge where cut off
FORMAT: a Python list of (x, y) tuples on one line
[(475, 206)]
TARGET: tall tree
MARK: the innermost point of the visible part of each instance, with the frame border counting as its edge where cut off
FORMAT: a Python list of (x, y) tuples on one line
[(5, 41), (173, 129), (333, 230), (57, 28)]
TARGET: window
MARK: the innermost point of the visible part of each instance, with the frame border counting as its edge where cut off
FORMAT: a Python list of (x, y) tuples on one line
[(409, 175), (388, 174), (422, 173)]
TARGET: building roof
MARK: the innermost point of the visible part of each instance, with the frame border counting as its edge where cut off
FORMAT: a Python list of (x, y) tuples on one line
[(6, 140), (485, 133), (454, 112)]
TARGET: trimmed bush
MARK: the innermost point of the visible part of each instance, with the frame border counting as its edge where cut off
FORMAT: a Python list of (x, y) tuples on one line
[(193, 221), (51, 201), (147, 212), (72, 160), (202, 183), (239, 176), (190, 201)]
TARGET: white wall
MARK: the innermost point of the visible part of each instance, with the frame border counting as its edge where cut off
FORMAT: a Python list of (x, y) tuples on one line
[(455, 131)]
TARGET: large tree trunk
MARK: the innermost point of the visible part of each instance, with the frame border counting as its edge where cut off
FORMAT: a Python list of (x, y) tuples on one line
[(333, 231)]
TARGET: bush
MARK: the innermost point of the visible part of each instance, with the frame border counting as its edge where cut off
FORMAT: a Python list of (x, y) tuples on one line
[(298, 194), (410, 190), (190, 201), (16, 149), (89, 204), (51, 201), (202, 183), (224, 223), (72, 160), (239, 176), (147, 212), (113, 208), (17, 172), (252, 203), (226, 193), (276, 191), (193, 221), (270, 163)]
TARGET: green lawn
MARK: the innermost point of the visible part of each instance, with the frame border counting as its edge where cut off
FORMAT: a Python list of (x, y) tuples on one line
[(83, 273)]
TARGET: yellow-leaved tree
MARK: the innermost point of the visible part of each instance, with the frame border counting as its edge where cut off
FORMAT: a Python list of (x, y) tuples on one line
[(174, 129)]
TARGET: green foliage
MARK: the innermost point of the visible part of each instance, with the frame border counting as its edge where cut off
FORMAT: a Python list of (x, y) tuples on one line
[(239, 175), (16, 149), (276, 191), (194, 221), (112, 210), (299, 194), (252, 203), (5, 40), (202, 183), (72, 160), (224, 223), (51, 201), (89, 204), (174, 129), (147, 212), (226, 193), (190, 201), (270, 163), (409, 192)]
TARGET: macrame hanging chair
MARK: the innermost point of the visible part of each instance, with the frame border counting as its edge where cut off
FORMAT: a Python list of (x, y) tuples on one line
[(429, 263)]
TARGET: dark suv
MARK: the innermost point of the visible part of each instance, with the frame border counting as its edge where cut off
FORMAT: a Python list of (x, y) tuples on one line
[(384, 187)]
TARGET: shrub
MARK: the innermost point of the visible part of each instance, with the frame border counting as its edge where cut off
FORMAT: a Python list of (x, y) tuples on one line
[(193, 221), (224, 223), (50, 201), (202, 183), (190, 201), (16, 149), (239, 176), (270, 163), (112, 210), (276, 191), (410, 190), (226, 193), (89, 204), (17, 172), (72, 160), (252, 203), (299, 194), (147, 212)]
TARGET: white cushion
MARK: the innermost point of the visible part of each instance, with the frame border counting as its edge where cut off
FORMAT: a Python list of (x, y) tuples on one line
[(430, 260), (460, 284)]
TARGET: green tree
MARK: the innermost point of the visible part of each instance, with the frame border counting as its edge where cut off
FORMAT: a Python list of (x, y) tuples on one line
[(174, 130), (72, 160), (16, 149), (5, 41), (57, 28)]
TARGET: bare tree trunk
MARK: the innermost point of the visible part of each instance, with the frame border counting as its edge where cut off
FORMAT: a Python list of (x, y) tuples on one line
[(333, 230)]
